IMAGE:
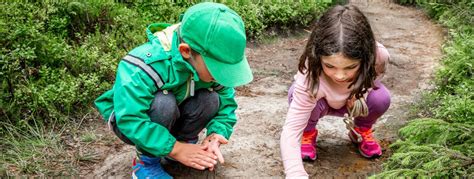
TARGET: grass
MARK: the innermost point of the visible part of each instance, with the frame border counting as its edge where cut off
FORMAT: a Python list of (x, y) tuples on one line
[(439, 142), (271, 36), (32, 151), (53, 150), (48, 151), (88, 137)]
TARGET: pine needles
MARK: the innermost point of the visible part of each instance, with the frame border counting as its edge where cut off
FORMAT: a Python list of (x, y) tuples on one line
[(432, 148), (442, 147)]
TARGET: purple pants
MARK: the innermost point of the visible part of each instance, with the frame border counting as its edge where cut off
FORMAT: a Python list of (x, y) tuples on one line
[(378, 102)]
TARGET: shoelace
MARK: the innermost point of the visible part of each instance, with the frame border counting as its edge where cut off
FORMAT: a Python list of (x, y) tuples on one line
[(355, 108), (366, 135), (307, 139)]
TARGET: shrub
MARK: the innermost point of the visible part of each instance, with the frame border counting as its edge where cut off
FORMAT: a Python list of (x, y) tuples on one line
[(443, 147), (57, 57), (54, 51), (54, 59)]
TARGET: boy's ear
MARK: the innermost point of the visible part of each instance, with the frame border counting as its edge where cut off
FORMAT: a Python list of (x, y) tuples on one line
[(185, 50)]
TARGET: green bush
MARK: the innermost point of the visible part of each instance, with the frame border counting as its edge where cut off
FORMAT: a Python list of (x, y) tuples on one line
[(57, 57), (418, 2), (54, 51), (252, 17), (433, 148), (443, 147), (439, 132), (454, 84)]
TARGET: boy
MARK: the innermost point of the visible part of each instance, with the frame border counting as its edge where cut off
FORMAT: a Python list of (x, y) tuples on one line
[(179, 82)]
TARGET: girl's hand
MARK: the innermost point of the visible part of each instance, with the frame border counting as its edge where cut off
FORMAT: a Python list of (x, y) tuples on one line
[(212, 144), (193, 155)]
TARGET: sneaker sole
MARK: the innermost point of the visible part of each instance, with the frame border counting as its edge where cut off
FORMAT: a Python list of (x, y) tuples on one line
[(356, 144), (370, 157), (308, 158), (366, 156)]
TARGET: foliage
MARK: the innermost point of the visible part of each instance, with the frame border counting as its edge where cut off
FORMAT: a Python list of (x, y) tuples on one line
[(56, 57), (433, 148), (454, 84), (443, 147), (276, 16), (415, 2), (34, 150)]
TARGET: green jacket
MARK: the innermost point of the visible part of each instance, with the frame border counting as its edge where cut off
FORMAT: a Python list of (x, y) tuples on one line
[(133, 92)]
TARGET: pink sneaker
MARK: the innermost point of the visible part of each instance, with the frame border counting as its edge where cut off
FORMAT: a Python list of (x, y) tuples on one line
[(308, 145), (368, 146)]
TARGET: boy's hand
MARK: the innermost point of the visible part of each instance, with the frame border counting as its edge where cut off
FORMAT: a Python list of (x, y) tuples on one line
[(193, 155), (212, 144)]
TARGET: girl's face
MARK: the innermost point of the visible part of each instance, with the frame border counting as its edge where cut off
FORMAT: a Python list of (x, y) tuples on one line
[(340, 69)]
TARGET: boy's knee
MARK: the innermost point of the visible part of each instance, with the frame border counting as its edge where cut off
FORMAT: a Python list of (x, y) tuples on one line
[(205, 104), (212, 101), (205, 94), (164, 109)]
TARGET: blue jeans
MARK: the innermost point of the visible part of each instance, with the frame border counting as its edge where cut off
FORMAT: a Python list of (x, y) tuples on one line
[(184, 121)]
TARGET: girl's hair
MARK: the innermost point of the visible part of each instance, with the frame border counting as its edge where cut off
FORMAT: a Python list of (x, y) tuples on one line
[(345, 30)]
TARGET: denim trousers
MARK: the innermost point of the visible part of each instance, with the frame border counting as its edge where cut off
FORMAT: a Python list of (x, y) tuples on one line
[(184, 121)]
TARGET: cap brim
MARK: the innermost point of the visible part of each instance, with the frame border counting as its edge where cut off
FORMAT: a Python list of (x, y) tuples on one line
[(229, 75)]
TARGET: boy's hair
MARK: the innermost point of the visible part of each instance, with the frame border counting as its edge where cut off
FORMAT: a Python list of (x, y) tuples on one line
[(342, 29)]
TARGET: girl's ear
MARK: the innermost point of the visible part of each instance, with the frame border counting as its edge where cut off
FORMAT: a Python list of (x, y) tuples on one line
[(185, 50)]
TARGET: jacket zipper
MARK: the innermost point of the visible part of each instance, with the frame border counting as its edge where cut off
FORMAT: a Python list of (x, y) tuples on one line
[(189, 87), (191, 92)]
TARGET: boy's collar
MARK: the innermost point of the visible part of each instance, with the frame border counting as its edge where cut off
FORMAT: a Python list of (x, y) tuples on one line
[(176, 57)]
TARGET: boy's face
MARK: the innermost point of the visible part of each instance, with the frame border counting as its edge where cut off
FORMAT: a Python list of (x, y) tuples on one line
[(340, 69), (198, 63), (195, 59)]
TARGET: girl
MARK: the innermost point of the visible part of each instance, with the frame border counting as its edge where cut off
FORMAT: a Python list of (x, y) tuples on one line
[(339, 71)]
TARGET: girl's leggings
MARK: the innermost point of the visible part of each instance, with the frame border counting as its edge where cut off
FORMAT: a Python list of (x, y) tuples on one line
[(378, 102)]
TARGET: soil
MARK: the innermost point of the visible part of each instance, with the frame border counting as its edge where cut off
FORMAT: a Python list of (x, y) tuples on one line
[(414, 43)]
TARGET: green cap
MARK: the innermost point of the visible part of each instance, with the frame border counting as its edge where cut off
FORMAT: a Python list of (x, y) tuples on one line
[(217, 33)]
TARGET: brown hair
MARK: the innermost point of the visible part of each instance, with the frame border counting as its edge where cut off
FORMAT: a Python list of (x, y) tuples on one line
[(341, 29)]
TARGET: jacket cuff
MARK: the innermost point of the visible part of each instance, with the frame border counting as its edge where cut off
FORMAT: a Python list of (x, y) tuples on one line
[(169, 146), (219, 129)]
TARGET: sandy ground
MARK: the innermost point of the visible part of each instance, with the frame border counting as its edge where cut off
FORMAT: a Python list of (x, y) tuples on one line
[(414, 44)]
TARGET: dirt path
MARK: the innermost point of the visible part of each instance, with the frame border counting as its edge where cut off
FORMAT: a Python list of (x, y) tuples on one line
[(414, 44)]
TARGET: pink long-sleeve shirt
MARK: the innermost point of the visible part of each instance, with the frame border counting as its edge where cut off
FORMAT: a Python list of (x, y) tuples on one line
[(300, 109)]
